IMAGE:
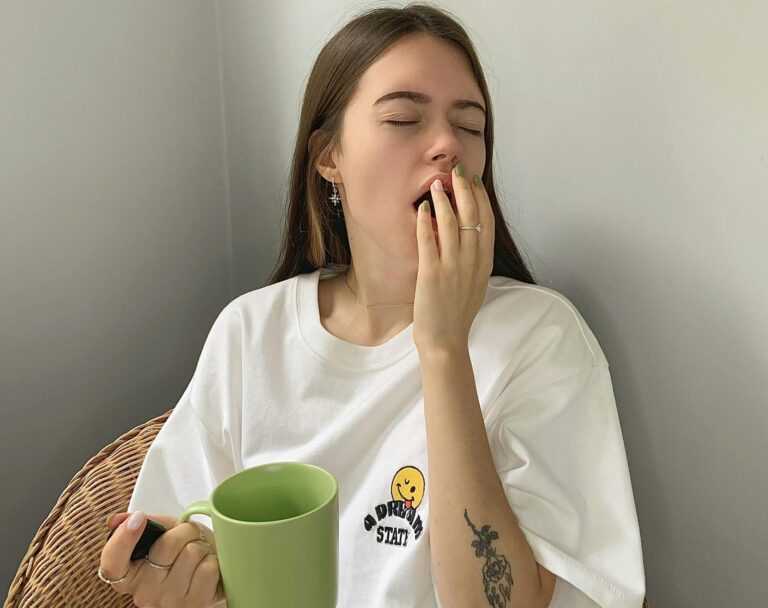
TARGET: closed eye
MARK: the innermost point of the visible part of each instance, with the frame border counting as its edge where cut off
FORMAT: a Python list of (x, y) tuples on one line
[(399, 123)]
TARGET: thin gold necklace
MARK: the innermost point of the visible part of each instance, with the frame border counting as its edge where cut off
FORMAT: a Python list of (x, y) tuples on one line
[(370, 305)]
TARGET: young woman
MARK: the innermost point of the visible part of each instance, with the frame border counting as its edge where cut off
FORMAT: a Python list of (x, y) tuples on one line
[(411, 354)]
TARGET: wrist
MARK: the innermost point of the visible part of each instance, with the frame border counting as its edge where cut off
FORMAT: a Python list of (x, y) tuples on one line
[(442, 354)]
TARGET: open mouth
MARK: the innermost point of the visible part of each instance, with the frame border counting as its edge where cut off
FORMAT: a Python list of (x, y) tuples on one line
[(428, 196)]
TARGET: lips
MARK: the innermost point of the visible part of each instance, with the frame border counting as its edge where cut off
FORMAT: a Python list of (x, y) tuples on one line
[(426, 192)]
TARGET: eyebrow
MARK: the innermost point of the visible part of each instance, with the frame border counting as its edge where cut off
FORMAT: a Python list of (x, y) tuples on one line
[(423, 98)]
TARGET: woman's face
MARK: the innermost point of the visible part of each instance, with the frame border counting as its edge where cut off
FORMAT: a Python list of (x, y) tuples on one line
[(384, 167)]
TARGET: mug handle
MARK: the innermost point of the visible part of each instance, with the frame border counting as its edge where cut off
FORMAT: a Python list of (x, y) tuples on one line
[(201, 507)]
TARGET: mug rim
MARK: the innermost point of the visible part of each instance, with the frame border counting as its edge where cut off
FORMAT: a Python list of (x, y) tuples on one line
[(290, 463)]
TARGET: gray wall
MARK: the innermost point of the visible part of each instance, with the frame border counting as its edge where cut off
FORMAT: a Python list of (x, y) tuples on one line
[(144, 149)]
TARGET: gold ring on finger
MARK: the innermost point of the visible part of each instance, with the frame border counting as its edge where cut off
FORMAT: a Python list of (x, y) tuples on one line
[(478, 227)]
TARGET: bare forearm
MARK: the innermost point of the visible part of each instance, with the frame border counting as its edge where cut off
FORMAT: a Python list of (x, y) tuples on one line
[(467, 504)]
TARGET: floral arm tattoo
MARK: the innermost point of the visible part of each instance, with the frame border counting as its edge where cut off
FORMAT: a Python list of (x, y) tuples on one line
[(497, 573)]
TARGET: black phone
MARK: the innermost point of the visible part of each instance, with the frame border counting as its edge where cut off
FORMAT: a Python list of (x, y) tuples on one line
[(152, 531)]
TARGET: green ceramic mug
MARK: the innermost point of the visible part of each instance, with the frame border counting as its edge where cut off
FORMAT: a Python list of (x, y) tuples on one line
[(277, 535)]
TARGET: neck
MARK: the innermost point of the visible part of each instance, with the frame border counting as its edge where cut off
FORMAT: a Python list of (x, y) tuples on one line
[(379, 304)]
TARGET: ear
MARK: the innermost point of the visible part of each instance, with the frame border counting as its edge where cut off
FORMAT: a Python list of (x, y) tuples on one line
[(326, 164), (328, 170)]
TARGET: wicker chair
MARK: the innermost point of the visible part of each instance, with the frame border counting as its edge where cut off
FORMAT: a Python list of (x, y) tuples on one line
[(59, 569), (60, 566)]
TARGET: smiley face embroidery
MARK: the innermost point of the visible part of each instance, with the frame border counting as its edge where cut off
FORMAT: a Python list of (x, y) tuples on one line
[(408, 486)]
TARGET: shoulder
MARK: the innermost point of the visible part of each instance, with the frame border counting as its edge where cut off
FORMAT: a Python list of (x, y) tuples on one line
[(535, 319), (265, 296), (253, 310), (264, 299)]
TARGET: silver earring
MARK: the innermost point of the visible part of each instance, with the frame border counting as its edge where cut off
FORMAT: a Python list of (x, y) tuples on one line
[(335, 196)]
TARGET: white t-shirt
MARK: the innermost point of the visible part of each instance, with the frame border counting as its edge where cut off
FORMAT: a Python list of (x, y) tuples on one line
[(272, 384)]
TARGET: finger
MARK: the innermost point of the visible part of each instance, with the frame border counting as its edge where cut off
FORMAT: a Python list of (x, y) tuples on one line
[(466, 201), (166, 549), (427, 246), (207, 536), (179, 578), (204, 532), (116, 556), (447, 228), (167, 521), (220, 596), (127, 586), (468, 210), (115, 519), (206, 582), (488, 221)]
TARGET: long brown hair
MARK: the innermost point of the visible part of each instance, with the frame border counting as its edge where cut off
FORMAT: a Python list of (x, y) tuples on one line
[(314, 233)]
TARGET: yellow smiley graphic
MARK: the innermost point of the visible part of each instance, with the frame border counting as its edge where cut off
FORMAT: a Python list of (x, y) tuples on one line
[(408, 486)]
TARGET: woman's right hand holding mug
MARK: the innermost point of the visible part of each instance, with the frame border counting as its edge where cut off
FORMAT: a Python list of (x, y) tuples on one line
[(194, 579)]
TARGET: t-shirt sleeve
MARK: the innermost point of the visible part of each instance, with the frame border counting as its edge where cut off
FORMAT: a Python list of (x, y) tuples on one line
[(560, 456), (559, 452), (568, 596), (182, 465), (197, 446)]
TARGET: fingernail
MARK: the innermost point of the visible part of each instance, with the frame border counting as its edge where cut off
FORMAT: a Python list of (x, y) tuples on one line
[(438, 185), (424, 206), (135, 520), (460, 170), (478, 181)]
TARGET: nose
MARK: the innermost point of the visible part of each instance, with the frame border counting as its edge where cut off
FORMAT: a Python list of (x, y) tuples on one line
[(446, 141)]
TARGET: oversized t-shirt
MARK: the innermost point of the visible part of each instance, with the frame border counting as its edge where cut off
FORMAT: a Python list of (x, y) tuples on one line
[(272, 385)]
